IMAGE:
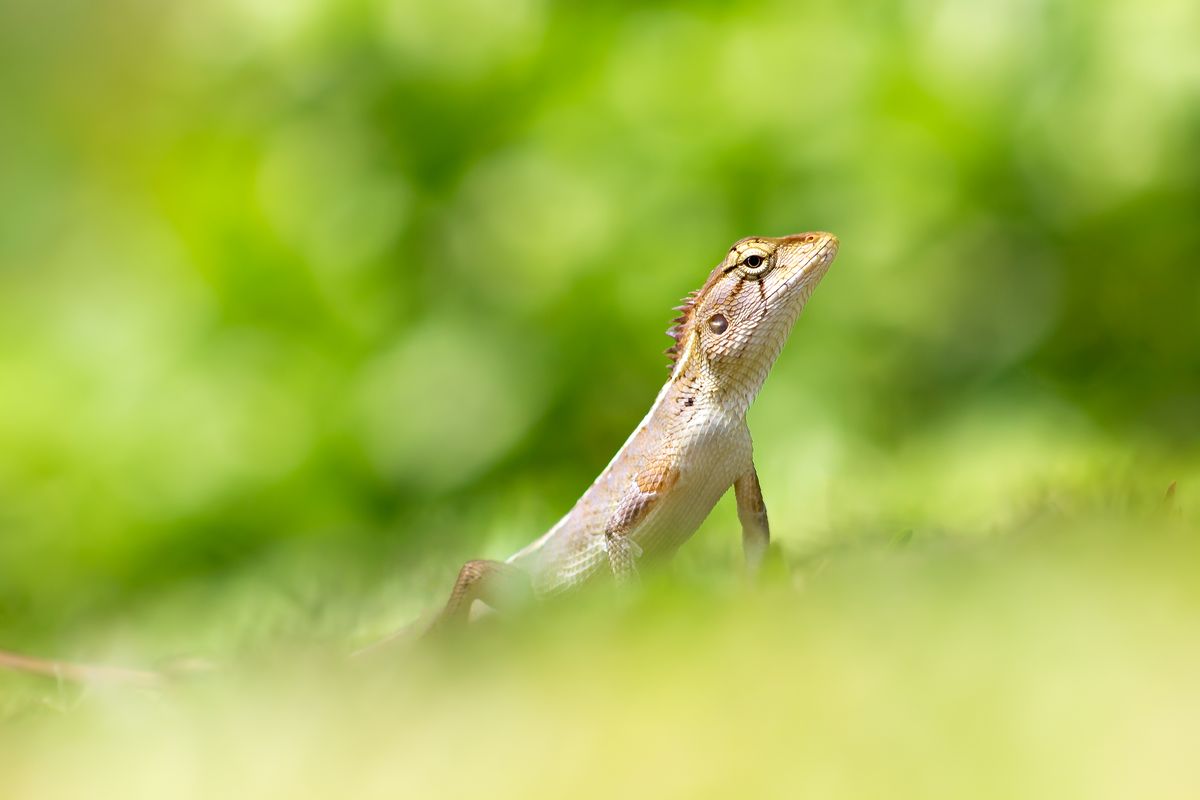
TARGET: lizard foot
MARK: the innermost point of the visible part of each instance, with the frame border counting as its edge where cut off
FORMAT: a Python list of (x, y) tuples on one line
[(622, 553)]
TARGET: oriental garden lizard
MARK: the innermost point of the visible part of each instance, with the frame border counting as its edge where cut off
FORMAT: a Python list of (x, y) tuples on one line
[(691, 447)]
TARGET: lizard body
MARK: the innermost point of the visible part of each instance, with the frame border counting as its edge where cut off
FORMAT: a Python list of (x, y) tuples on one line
[(690, 448)]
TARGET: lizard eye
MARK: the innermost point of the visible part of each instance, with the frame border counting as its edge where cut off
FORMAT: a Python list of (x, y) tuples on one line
[(717, 323), (754, 263)]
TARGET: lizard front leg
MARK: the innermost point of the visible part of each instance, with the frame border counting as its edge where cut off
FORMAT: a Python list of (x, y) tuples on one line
[(752, 513), (648, 487), (620, 548)]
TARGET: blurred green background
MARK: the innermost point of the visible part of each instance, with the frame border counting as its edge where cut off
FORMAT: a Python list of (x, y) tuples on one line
[(303, 303), (306, 290)]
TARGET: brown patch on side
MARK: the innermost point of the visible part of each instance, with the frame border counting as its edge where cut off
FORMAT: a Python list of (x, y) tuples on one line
[(649, 486), (657, 477)]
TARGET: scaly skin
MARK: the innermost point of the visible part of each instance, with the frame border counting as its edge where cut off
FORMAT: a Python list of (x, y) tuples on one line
[(692, 446)]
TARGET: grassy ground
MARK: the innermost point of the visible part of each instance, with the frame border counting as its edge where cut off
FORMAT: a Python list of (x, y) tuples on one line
[(1056, 655)]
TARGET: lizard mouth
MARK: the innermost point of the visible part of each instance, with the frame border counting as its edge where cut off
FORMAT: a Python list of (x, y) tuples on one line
[(813, 267), (819, 261)]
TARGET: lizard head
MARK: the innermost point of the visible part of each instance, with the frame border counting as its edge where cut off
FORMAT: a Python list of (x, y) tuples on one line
[(731, 330)]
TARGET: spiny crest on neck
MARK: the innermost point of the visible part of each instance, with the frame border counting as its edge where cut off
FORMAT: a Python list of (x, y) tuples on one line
[(683, 324), (679, 329)]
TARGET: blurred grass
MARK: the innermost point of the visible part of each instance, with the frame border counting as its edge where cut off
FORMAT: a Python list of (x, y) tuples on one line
[(302, 304), (910, 668)]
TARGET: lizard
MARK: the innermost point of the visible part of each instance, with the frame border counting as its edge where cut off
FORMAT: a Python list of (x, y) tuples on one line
[(691, 447)]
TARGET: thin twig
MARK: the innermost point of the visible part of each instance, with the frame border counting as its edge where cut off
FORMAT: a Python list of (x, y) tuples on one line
[(80, 673)]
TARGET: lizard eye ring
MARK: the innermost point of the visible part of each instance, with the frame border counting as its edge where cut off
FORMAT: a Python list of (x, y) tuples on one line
[(717, 323), (755, 263)]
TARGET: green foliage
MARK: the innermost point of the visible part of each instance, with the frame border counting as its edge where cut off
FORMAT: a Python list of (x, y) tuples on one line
[(302, 303)]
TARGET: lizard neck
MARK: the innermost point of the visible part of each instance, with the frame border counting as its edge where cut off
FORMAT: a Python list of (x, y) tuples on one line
[(730, 393)]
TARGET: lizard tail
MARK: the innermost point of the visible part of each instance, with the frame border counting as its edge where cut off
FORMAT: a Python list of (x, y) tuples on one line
[(80, 673)]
